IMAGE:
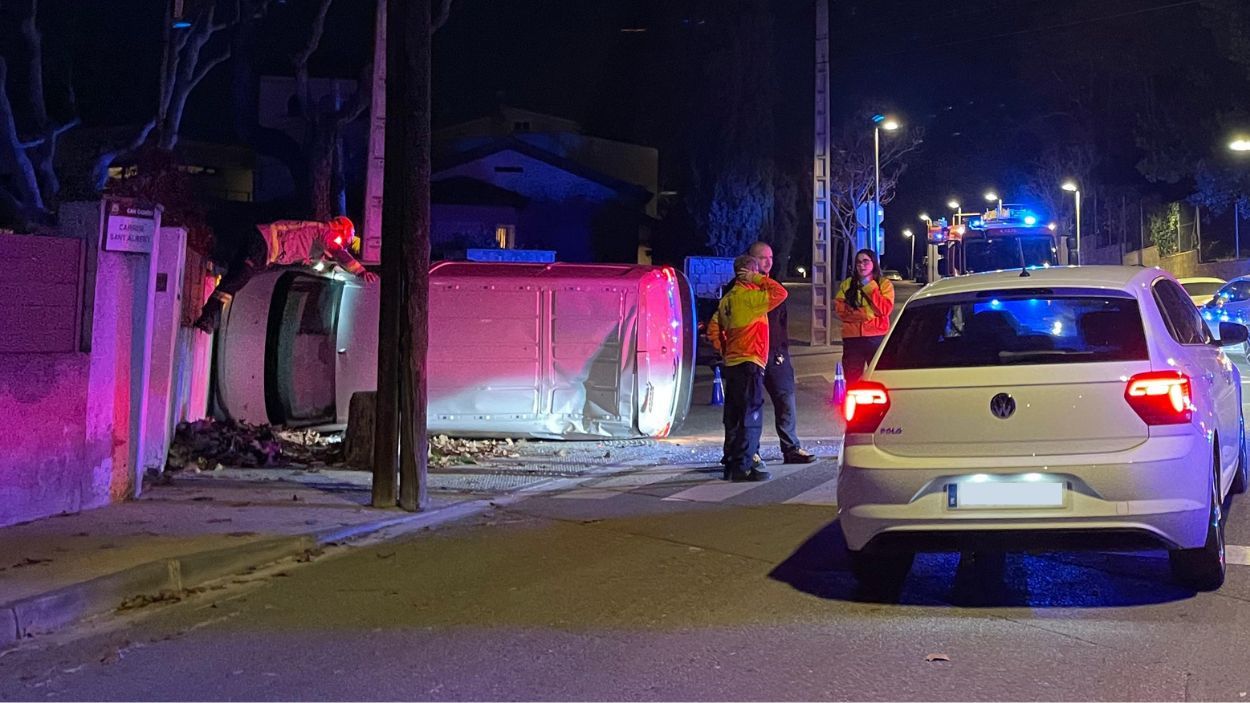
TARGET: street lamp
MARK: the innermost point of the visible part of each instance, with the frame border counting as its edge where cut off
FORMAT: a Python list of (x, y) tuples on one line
[(1071, 187), (990, 197), (954, 206), (911, 262), (889, 124), (1238, 144)]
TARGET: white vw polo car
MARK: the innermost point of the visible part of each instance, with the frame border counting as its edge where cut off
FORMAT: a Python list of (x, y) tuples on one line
[(1081, 407)]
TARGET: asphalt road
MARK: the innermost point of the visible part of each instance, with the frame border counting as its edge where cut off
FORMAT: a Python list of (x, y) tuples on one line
[(665, 584)]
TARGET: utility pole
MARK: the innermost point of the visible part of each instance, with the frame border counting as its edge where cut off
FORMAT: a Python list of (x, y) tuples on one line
[(823, 255), (403, 329), (386, 412)]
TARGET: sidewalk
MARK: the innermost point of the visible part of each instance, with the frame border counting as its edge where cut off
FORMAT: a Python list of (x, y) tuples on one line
[(175, 537), (196, 528), (193, 529)]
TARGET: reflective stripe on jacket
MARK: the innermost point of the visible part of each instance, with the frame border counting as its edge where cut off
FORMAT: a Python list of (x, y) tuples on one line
[(872, 317)]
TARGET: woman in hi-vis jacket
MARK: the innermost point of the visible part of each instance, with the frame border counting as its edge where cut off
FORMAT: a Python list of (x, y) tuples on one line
[(863, 303)]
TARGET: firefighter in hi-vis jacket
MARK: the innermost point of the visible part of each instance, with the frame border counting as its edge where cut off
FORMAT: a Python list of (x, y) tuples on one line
[(283, 243)]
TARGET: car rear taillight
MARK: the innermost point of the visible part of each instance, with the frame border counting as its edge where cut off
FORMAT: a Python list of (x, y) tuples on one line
[(865, 406), (1161, 397)]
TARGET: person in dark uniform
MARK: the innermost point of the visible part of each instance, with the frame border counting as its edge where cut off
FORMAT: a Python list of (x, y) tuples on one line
[(779, 372)]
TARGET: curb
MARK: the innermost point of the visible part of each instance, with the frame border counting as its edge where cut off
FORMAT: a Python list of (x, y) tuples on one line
[(46, 612)]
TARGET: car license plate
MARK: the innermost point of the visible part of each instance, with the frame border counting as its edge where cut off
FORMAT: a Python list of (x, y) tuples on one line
[(1005, 494)]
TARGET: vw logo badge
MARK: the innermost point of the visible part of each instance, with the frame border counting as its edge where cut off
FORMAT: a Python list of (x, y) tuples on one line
[(1003, 406)]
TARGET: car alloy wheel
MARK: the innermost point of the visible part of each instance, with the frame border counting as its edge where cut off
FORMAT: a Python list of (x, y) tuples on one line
[(1241, 479), (1202, 568)]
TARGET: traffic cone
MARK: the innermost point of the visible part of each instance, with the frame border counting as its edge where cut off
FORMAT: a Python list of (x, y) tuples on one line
[(718, 387), (839, 385)]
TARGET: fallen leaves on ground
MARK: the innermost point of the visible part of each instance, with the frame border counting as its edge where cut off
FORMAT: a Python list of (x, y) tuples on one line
[(447, 451), (206, 445)]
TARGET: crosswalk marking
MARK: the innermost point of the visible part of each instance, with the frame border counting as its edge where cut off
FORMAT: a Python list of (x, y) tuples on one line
[(616, 485), (824, 494), (717, 491), (1237, 554)]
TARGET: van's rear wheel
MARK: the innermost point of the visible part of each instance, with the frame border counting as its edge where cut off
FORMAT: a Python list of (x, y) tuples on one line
[(1202, 568)]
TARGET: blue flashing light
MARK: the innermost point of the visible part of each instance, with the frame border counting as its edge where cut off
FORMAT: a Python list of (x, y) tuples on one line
[(1208, 316), (996, 304), (181, 24), (975, 223), (1030, 220), (878, 119)]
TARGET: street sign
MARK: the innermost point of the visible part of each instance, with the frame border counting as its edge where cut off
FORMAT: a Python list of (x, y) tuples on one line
[(129, 226)]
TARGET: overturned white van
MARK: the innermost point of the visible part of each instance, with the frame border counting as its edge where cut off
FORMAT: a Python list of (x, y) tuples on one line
[(559, 351)]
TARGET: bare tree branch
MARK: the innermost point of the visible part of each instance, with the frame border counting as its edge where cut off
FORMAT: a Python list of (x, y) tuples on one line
[(440, 17), (301, 59)]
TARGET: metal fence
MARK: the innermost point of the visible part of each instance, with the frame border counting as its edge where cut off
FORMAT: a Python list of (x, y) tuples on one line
[(1132, 223)]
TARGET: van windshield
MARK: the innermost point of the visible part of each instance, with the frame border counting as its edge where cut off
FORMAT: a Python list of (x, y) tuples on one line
[(998, 253), (1001, 330)]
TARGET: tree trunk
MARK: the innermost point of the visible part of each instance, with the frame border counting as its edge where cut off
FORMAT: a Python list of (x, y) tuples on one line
[(14, 156), (323, 143)]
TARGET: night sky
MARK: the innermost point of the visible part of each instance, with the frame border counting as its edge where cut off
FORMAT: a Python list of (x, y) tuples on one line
[(960, 69)]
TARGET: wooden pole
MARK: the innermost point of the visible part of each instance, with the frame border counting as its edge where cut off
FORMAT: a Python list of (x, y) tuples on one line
[(387, 412), (408, 120)]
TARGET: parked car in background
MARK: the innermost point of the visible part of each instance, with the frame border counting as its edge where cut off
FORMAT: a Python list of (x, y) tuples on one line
[(1201, 289), (892, 275), (1075, 408), (1231, 303)]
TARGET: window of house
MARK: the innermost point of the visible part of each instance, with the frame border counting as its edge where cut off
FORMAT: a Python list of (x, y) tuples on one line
[(505, 236)]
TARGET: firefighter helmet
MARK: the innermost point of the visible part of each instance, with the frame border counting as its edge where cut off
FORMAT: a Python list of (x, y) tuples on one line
[(343, 230)]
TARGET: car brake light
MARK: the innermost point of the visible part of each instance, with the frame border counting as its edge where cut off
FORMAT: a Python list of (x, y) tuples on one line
[(865, 407), (1160, 397)]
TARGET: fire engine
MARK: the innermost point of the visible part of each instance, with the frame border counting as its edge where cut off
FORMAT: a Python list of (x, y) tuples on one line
[(1006, 237)]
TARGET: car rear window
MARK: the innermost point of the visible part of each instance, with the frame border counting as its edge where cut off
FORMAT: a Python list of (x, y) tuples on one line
[(1006, 330), (1202, 288)]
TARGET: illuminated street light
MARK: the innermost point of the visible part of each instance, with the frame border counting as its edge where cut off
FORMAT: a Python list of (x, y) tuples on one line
[(990, 197), (911, 261), (924, 217), (1240, 143), (952, 204), (889, 124), (1071, 187)]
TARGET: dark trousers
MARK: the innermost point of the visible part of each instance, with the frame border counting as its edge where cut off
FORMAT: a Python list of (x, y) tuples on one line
[(249, 257), (779, 382), (856, 353), (744, 414)]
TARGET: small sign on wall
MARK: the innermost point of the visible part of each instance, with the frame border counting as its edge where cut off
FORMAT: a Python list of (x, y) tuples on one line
[(130, 225)]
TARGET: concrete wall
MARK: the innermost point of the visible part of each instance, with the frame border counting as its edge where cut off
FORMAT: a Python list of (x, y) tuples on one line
[(1185, 264), (68, 416)]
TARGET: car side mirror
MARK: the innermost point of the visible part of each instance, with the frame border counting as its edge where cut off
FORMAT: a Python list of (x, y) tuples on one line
[(1232, 333)]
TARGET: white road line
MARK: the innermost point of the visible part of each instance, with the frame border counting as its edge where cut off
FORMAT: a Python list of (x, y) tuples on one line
[(1237, 554), (616, 485), (824, 494), (718, 490)]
